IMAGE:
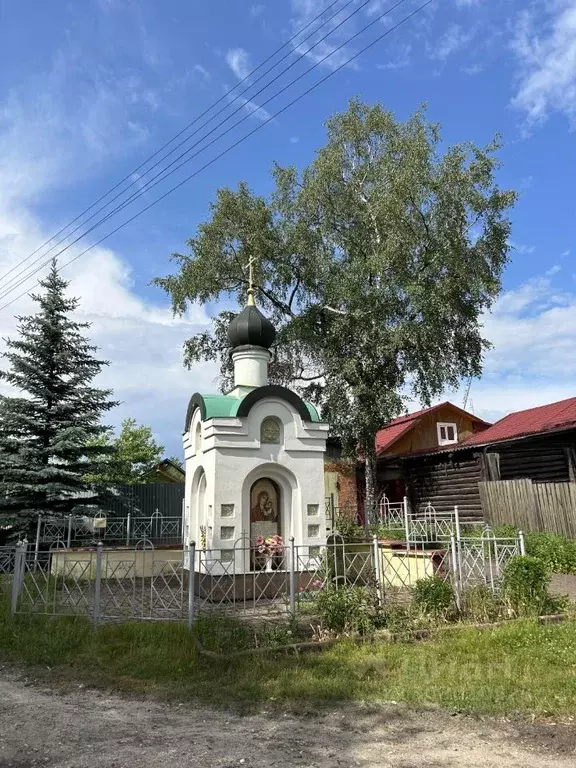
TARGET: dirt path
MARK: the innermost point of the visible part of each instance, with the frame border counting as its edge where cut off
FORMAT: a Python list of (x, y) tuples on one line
[(85, 728)]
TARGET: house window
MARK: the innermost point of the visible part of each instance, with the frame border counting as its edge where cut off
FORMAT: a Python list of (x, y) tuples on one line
[(270, 431), (198, 438), (447, 433)]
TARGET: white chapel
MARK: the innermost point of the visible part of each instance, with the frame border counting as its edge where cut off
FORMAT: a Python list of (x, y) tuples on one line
[(255, 456)]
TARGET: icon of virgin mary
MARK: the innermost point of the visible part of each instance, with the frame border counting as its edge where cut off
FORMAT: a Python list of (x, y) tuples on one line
[(264, 510)]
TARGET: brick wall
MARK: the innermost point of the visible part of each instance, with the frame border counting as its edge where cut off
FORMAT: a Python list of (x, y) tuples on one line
[(347, 486)]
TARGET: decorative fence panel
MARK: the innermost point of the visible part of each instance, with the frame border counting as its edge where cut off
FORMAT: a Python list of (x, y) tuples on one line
[(530, 506), (148, 583)]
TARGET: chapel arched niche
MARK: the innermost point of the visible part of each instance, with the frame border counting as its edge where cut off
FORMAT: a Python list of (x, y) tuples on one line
[(265, 508)]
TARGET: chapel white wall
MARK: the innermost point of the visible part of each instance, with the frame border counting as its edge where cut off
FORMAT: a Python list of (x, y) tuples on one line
[(233, 459)]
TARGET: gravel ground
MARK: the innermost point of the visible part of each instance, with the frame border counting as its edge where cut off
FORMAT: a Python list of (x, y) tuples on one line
[(563, 584), (81, 728)]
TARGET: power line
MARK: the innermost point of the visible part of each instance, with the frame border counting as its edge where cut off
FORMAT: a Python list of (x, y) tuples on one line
[(7, 289), (193, 122), (239, 141)]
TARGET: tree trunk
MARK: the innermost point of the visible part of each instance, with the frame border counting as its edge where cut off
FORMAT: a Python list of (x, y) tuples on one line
[(370, 475)]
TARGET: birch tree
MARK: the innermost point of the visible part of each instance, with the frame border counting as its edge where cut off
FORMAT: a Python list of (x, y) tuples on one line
[(376, 263)]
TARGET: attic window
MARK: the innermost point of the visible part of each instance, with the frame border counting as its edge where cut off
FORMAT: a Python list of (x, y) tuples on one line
[(447, 433)]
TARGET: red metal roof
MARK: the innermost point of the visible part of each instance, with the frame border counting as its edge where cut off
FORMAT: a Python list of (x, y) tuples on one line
[(545, 418), (397, 427)]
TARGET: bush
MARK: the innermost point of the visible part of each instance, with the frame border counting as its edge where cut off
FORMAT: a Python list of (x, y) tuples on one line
[(556, 552), (392, 534), (525, 585), (434, 597), (343, 609), (348, 528), (479, 603)]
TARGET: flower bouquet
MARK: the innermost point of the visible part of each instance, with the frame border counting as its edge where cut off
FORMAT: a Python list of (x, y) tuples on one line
[(269, 547)]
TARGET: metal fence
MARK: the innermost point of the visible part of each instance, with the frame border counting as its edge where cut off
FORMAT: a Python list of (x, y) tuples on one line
[(75, 530), (147, 583)]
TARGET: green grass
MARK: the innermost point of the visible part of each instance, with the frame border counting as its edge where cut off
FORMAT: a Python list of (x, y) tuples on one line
[(519, 668)]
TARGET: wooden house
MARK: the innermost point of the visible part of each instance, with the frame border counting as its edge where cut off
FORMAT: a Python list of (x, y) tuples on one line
[(537, 445), (415, 458)]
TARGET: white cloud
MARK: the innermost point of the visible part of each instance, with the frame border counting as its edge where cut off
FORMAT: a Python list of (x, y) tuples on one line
[(401, 60), (533, 330), (201, 71), (253, 109), (256, 10), (474, 69), (325, 52), (239, 62), (44, 148), (545, 48), (453, 40), (520, 248), (533, 360)]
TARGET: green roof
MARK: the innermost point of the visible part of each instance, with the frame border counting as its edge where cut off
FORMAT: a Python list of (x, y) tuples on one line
[(313, 411), (224, 406), (221, 406)]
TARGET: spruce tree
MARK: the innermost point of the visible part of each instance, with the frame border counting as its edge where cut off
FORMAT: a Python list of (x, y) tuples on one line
[(48, 428)]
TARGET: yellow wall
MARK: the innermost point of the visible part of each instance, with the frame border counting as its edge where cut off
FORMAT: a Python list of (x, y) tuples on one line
[(116, 564)]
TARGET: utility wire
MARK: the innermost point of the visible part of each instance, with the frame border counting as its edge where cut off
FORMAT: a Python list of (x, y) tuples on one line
[(193, 122), (8, 288), (239, 141)]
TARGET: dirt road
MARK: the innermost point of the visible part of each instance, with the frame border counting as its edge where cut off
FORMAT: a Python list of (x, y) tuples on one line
[(84, 728)]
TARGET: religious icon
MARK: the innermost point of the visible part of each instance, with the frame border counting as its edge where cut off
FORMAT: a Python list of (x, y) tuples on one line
[(264, 520), (264, 506)]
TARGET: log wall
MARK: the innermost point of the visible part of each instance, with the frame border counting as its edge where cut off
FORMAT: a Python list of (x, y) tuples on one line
[(445, 482)]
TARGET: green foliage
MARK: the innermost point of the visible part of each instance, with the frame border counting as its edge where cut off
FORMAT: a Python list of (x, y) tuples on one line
[(343, 609), (480, 604), (135, 453), (376, 264), (49, 435), (525, 585), (349, 529), (556, 552), (390, 534), (225, 635), (433, 597), (520, 668)]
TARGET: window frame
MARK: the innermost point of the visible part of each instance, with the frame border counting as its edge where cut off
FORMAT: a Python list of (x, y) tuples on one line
[(444, 425)]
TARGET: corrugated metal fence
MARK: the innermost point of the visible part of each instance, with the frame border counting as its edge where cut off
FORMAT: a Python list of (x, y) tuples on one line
[(143, 500), (530, 506)]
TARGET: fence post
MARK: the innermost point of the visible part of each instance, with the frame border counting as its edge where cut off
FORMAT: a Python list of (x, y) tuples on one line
[(16, 578), (522, 542), (191, 579), (376, 556), (455, 569), (406, 523), (69, 537), (457, 522), (292, 577), (37, 543), (128, 530), (97, 585)]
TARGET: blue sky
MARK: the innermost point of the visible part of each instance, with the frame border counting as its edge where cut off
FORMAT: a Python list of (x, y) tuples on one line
[(89, 90)]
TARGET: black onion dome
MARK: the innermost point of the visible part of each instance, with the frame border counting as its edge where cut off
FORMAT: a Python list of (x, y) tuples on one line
[(251, 327)]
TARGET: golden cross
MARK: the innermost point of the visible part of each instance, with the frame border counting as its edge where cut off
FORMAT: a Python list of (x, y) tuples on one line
[(251, 261)]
